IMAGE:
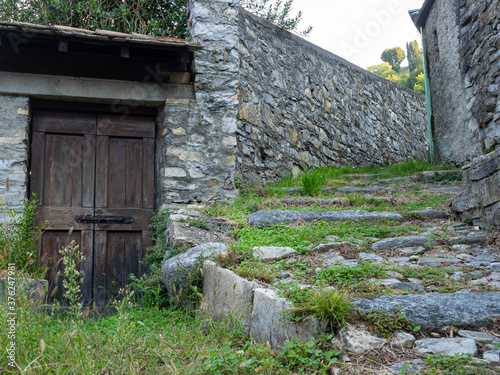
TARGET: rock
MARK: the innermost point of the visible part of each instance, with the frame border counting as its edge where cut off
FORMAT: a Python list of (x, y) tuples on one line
[(414, 250), (409, 286), (430, 176), (393, 274), (323, 248), (433, 311), (477, 336), (273, 252), (429, 214), (341, 201), (34, 289), (333, 258), (406, 241), (402, 340), (437, 261), (447, 347), (225, 292), (403, 368), (391, 181), (183, 234), (284, 275), (469, 240), (491, 356), (174, 268), (270, 324), (350, 339), (265, 218), (370, 257), (494, 266)]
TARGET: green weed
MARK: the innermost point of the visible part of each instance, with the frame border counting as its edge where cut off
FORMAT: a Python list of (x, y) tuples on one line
[(308, 357), (18, 239), (255, 270), (456, 365), (344, 275), (312, 181), (387, 324)]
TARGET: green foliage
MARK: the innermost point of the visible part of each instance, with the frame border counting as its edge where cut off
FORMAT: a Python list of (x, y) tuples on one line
[(277, 12), (312, 181), (324, 304), (18, 237), (72, 278), (382, 70), (393, 56), (152, 17), (308, 357), (414, 56), (344, 275), (456, 365), (387, 324), (255, 270)]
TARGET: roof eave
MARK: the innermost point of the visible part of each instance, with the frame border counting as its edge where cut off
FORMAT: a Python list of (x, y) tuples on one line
[(423, 14)]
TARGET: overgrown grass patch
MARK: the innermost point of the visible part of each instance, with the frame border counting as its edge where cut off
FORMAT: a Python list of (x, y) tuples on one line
[(347, 276), (302, 237)]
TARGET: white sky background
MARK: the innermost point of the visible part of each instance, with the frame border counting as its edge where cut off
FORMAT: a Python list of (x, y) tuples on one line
[(359, 30)]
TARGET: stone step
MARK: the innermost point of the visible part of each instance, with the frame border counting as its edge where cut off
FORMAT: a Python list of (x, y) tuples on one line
[(263, 219)]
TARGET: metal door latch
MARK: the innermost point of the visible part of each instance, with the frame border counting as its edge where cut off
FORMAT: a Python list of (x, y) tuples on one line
[(103, 219)]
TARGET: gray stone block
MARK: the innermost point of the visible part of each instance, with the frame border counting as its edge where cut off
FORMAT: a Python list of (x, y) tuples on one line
[(271, 324), (266, 218), (447, 347), (433, 311), (405, 241), (227, 295)]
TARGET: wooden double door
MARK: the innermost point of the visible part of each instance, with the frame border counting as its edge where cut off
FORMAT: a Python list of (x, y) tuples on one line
[(94, 178)]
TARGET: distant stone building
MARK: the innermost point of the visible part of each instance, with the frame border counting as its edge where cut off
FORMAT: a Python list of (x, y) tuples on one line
[(462, 39)]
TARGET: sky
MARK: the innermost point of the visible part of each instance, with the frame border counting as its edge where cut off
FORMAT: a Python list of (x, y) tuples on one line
[(359, 30)]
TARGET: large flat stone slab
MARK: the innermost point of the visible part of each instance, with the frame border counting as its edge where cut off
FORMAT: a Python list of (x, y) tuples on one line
[(433, 311), (404, 241), (265, 218), (270, 324), (226, 293), (448, 346)]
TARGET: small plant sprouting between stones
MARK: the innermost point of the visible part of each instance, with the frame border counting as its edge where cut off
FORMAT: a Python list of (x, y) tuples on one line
[(386, 323)]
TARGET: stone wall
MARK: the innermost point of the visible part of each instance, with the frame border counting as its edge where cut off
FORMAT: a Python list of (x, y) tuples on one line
[(463, 41), (303, 107), (199, 158), (480, 203), (14, 127)]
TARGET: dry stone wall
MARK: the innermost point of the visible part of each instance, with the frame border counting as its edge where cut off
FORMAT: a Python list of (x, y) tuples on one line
[(14, 126), (303, 107), (463, 50)]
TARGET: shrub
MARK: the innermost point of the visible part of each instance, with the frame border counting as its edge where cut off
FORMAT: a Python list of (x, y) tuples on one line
[(18, 239)]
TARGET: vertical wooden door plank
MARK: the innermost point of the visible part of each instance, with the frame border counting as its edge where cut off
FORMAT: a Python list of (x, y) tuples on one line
[(101, 182), (117, 171), (133, 177), (88, 171), (99, 284), (115, 263), (87, 250), (37, 161), (148, 174), (133, 246)]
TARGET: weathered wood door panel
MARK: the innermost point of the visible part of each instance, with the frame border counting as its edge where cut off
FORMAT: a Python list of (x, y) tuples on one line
[(100, 166)]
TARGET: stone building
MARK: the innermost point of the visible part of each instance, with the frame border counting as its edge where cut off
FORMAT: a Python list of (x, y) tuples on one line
[(462, 39), (106, 127)]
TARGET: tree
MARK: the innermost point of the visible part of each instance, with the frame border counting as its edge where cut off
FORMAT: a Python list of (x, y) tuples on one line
[(414, 55), (152, 17), (278, 13), (394, 56), (383, 70)]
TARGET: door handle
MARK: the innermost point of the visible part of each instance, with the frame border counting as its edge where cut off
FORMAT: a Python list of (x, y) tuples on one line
[(103, 219)]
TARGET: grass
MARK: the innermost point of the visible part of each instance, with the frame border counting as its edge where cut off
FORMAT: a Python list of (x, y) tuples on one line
[(408, 168), (345, 276)]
